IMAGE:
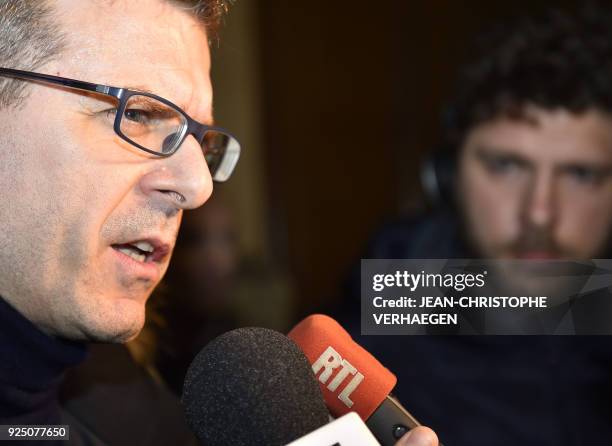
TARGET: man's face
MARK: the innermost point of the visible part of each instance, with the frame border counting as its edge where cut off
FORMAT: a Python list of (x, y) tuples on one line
[(73, 191), (539, 187)]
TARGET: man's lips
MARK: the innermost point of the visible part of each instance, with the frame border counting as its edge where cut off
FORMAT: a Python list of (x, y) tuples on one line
[(145, 250)]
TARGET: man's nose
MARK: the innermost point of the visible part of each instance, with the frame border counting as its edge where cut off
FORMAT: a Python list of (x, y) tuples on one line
[(540, 208), (183, 179)]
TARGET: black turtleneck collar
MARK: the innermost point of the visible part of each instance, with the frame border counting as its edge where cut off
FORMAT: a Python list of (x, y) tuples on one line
[(32, 365)]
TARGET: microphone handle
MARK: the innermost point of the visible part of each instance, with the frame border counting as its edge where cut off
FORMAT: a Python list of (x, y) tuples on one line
[(390, 421)]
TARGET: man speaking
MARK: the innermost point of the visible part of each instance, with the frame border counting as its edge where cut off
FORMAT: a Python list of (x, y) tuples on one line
[(107, 136)]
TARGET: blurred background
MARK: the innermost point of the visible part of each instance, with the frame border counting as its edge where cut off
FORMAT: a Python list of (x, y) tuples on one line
[(336, 105)]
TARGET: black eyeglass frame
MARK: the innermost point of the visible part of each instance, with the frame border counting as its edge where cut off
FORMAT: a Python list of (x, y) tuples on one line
[(195, 128)]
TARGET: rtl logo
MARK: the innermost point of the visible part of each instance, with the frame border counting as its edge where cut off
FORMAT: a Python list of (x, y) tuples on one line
[(331, 360)]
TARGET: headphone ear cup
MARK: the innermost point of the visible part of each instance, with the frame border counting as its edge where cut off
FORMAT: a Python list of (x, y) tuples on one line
[(438, 173)]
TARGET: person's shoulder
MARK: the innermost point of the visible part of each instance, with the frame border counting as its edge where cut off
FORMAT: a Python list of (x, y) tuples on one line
[(115, 400), (427, 235)]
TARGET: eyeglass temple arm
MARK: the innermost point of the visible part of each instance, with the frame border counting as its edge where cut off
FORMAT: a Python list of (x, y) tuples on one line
[(72, 83)]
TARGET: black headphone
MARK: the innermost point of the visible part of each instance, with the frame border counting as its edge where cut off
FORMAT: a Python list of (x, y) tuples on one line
[(438, 174), (439, 169)]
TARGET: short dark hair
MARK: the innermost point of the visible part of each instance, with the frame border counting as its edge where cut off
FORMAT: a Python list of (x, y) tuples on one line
[(554, 60), (31, 37), (28, 39), (209, 12)]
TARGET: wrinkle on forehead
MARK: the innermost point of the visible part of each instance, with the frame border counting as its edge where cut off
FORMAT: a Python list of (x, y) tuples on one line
[(150, 43)]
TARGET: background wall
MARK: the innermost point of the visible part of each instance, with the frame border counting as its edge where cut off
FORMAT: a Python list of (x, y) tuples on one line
[(336, 104)]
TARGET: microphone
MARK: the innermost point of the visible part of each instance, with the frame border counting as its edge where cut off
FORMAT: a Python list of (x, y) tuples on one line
[(351, 379), (255, 387), (250, 387)]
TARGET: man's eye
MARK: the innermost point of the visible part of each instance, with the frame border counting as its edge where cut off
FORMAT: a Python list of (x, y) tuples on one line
[(137, 115), (584, 175), (501, 165)]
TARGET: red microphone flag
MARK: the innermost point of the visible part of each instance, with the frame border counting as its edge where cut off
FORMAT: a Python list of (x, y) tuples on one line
[(351, 379)]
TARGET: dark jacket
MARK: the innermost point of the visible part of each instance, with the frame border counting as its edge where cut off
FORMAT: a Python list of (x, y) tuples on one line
[(106, 398), (32, 366), (488, 390)]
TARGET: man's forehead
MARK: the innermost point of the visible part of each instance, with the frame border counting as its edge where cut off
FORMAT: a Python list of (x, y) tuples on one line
[(149, 44), (547, 133)]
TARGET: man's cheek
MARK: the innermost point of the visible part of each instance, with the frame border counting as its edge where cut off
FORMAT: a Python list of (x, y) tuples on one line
[(585, 228), (490, 226), (495, 219)]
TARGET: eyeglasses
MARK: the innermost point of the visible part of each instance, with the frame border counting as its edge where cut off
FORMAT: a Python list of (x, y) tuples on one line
[(154, 124)]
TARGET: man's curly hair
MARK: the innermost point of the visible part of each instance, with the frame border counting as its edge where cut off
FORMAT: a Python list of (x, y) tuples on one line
[(554, 61)]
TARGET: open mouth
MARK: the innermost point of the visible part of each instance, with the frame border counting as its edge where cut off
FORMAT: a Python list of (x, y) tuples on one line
[(141, 251)]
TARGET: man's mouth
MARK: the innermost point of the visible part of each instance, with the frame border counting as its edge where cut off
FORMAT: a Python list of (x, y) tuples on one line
[(143, 251), (538, 255)]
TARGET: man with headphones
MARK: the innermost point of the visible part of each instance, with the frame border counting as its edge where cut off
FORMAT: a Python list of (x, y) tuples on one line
[(525, 173)]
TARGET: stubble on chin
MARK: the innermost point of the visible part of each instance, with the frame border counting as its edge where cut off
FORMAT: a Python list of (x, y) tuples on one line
[(100, 317), (118, 326)]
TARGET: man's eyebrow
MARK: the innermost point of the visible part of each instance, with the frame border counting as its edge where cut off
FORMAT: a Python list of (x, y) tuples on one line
[(487, 153), (139, 88), (142, 89), (597, 167)]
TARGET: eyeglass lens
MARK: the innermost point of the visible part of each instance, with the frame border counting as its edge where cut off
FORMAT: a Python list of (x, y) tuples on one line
[(160, 128)]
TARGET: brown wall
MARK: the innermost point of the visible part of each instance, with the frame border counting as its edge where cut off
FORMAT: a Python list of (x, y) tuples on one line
[(328, 126), (340, 102)]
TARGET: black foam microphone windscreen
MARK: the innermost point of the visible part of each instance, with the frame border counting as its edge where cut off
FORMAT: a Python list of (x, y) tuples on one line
[(252, 386)]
